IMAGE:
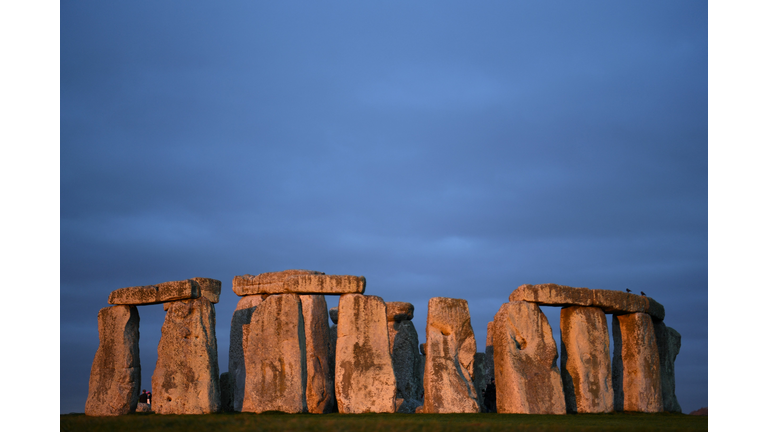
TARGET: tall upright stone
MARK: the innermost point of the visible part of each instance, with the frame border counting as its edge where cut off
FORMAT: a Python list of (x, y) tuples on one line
[(238, 339), (525, 360), (113, 388), (333, 332), (489, 351), (186, 378), (586, 360), (365, 379), (275, 357), (320, 392), (451, 347), (636, 369), (404, 348), (668, 341)]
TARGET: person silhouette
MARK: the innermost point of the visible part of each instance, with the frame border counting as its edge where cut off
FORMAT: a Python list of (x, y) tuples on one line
[(143, 397)]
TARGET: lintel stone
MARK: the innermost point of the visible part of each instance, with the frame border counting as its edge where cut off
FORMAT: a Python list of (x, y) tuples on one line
[(298, 282), (153, 294)]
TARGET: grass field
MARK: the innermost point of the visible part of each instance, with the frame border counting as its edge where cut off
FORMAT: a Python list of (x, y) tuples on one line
[(385, 422)]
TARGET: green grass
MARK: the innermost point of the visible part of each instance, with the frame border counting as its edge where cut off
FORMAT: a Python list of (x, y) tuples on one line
[(384, 422)]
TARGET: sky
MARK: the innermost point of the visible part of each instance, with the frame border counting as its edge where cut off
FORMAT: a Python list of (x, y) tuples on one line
[(440, 149)]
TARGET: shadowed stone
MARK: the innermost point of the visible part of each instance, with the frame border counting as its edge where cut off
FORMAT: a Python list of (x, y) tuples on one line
[(320, 392), (275, 357), (398, 311), (423, 349), (113, 388), (635, 372), (586, 360), (404, 348), (668, 341), (334, 314), (154, 294), (481, 379), (365, 378), (238, 339), (451, 347), (524, 354), (490, 370), (227, 395), (298, 282), (609, 301), (186, 378)]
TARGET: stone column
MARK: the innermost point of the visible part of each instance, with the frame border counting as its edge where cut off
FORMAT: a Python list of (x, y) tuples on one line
[(404, 348), (586, 360), (527, 378), (365, 379), (320, 391), (186, 378), (238, 339), (636, 375), (275, 357), (668, 341), (113, 388), (451, 348), (333, 332)]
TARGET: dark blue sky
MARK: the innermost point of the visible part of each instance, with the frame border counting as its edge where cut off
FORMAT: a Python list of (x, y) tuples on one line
[(449, 149)]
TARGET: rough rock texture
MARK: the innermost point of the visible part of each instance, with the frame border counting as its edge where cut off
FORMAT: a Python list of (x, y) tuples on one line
[(423, 349), (609, 301), (524, 355), (227, 395), (320, 393), (448, 381), (143, 407), (636, 371), (299, 282), (113, 388), (209, 288), (238, 339), (398, 311), (275, 357), (489, 369), (334, 314), (186, 378), (154, 294), (365, 378), (668, 341), (586, 360), (404, 348)]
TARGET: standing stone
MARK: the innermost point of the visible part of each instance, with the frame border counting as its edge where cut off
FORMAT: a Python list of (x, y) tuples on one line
[(525, 361), (365, 379), (275, 357), (333, 332), (668, 341), (489, 351), (448, 381), (320, 391), (481, 379), (113, 388), (186, 378), (586, 360), (238, 338), (636, 375), (404, 348), (225, 384)]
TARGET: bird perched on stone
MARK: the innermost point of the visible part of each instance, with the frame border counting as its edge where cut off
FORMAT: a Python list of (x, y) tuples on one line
[(642, 293), (628, 290)]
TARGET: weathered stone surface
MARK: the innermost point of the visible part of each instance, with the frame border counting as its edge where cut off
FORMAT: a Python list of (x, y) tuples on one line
[(585, 360), (404, 348), (154, 294), (320, 393), (143, 407), (609, 301), (209, 288), (635, 372), (448, 381), (113, 388), (333, 332), (668, 341), (275, 357), (298, 282), (227, 394), (481, 379), (186, 378), (334, 314), (490, 370), (423, 349), (365, 378), (398, 311), (524, 355), (238, 339)]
